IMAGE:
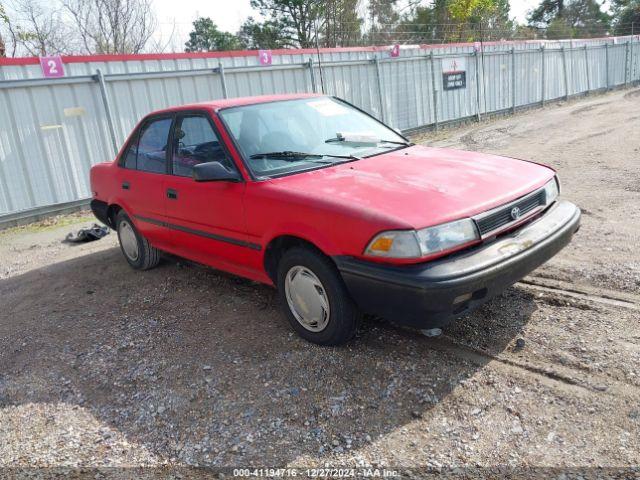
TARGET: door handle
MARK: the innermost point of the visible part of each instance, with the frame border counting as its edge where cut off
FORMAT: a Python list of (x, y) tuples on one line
[(125, 185), (172, 194)]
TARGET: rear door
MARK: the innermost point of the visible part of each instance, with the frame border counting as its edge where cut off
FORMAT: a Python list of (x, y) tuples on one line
[(144, 167), (207, 217)]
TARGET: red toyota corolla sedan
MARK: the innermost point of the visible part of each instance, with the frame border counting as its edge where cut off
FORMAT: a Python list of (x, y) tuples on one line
[(337, 210)]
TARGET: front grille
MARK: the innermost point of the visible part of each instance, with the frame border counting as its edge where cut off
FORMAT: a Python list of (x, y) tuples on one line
[(501, 216)]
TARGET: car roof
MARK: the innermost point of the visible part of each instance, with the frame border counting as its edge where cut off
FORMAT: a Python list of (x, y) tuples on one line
[(235, 102)]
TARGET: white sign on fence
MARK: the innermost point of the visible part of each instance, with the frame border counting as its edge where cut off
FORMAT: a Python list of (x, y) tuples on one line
[(454, 75), (454, 65)]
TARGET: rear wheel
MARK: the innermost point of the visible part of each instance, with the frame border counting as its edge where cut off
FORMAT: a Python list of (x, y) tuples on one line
[(136, 249), (315, 298)]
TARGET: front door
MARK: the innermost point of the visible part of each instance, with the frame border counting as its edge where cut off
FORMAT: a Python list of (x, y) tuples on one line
[(142, 175), (207, 218)]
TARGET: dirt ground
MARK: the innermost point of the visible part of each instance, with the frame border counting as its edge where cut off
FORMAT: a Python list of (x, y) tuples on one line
[(101, 365)]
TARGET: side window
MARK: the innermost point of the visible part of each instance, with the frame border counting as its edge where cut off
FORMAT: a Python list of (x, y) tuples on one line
[(195, 142), (152, 147), (129, 157)]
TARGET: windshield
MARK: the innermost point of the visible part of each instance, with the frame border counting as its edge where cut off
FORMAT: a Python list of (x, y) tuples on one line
[(284, 137)]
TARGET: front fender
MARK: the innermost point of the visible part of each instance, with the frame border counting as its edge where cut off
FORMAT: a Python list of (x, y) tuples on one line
[(305, 232)]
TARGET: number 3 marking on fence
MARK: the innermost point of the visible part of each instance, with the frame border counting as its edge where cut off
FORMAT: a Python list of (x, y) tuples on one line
[(265, 57), (52, 67)]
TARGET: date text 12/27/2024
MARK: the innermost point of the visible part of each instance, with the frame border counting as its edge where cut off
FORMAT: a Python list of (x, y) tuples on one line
[(316, 472)]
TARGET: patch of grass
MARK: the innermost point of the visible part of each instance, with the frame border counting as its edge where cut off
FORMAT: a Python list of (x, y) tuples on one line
[(51, 223)]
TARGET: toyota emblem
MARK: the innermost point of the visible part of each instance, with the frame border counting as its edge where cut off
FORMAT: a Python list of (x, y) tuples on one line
[(515, 213)]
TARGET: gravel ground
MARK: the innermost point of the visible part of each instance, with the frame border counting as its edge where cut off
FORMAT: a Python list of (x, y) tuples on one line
[(103, 366)]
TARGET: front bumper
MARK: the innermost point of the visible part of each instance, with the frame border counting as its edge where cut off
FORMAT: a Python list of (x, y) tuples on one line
[(431, 294)]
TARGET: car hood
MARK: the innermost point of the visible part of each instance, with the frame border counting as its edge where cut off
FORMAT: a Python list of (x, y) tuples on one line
[(420, 186)]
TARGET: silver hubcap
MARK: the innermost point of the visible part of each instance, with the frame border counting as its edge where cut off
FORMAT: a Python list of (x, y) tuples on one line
[(128, 240), (307, 298)]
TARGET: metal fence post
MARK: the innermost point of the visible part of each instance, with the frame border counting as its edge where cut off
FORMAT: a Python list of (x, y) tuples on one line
[(542, 79), (626, 64), (633, 62), (606, 53), (566, 77), (633, 59), (380, 91), (312, 76), (107, 109), (223, 80), (477, 86), (513, 80), (571, 68), (434, 91), (586, 67)]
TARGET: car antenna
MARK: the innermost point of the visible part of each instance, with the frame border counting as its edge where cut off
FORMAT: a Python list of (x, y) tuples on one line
[(318, 55)]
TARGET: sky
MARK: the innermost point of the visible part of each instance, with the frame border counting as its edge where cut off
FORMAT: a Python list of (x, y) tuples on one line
[(177, 17), (229, 15)]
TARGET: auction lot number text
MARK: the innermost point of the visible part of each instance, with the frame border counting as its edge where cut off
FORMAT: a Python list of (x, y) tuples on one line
[(316, 472)]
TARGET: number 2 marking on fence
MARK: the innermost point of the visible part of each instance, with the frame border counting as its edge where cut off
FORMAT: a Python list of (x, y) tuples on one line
[(52, 67)]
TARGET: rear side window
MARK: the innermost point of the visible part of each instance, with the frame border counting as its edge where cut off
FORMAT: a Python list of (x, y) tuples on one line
[(195, 142), (151, 151), (130, 155), (129, 158)]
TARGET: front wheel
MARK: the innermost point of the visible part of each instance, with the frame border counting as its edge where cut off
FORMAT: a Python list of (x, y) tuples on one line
[(315, 298)]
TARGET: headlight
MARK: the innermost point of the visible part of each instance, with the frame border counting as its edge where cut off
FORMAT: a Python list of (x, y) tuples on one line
[(421, 243), (447, 236), (551, 191), (394, 244)]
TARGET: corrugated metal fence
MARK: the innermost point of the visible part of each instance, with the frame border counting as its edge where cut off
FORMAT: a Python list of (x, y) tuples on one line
[(53, 130)]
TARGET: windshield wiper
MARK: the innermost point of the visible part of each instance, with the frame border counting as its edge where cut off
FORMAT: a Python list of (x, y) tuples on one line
[(405, 143), (342, 139), (288, 155)]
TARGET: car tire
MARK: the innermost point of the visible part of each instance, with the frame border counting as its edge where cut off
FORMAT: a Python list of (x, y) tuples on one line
[(136, 249), (315, 299)]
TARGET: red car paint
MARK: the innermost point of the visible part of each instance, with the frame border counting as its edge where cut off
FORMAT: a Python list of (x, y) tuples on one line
[(339, 209)]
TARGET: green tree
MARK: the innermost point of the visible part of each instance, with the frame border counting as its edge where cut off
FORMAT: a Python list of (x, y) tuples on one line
[(570, 18), (485, 19), (627, 18), (3, 14), (546, 12), (265, 35), (426, 23), (587, 19), (341, 25), (206, 37), (303, 23), (383, 21), (296, 19), (459, 20), (559, 28)]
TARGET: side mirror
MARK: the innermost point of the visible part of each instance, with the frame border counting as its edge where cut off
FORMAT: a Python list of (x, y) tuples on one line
[(214, 172)]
